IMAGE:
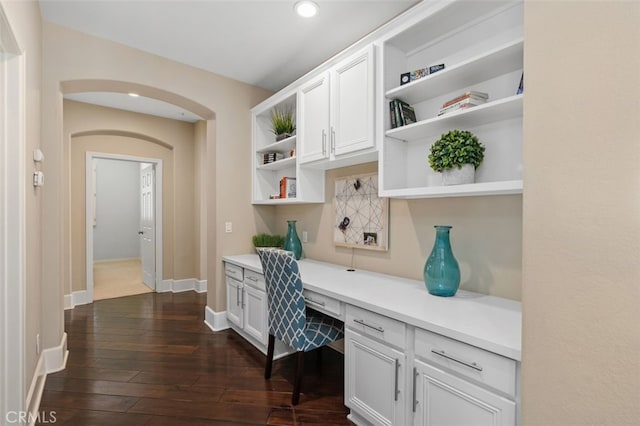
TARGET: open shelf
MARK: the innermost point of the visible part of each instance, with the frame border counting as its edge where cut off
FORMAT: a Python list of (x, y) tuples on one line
[(501, 60), (473, 189), (283, 146), (503, 109), (277, 201), (278, 165)]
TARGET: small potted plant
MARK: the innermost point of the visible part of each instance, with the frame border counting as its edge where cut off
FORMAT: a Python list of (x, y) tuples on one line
[(456, 155), (266, 240), (282, 122)]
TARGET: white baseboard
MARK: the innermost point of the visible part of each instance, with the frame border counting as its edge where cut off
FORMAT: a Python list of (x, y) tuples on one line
[(178, 286), (81, 297), (68, 302), (201, 286), (50, 360), (216, 321), (174, 286)]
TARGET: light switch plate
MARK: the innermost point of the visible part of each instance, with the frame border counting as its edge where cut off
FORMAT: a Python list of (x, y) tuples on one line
[(228, 227)]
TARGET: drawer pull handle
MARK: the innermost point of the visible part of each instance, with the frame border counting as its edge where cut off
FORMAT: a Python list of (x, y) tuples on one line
[(254, 279), (376, 328), (459, 361), (313, 302)]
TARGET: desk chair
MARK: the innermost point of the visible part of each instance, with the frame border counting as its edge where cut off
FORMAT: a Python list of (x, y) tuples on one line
[(288, 318)]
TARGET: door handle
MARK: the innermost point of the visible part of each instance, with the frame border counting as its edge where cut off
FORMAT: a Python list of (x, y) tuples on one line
[(333, 141), (140, 232), (324, 143), (396, 390), (415, 401)]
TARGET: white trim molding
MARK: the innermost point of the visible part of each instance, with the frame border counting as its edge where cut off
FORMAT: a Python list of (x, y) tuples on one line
[(178, 286), (13, 181), (90, 157), (50, 361), (216, 321)]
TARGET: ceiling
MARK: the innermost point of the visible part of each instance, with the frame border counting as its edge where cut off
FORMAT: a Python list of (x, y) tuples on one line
[(260, 42)]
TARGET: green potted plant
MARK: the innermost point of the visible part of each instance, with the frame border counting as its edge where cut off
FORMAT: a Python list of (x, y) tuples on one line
[(266, 240), (456, 155), (283, 123)]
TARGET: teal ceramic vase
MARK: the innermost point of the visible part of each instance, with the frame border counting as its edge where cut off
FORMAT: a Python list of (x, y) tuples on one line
[(291, 240), (441, 271)]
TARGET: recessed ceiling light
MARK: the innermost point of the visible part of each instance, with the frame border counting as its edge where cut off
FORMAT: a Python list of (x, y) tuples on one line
[(133, 95), (306, 8)]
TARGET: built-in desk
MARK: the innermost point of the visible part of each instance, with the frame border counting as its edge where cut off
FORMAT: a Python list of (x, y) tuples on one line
[(462, 352)]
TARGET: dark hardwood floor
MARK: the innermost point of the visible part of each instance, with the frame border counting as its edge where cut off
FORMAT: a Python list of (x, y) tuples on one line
[(151, 360)]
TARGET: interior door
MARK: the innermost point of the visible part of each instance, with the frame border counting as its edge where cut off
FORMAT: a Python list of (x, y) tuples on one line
[(147, 225)]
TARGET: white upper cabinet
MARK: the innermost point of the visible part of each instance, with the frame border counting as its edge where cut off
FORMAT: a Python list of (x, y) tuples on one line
[(313, 111), (336, 112), (481, 45)]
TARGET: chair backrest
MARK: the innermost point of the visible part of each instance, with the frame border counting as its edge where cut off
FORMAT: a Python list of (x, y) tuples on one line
[(286, 307)]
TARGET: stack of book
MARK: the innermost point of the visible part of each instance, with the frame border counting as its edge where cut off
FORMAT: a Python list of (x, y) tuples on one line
[(288, 187), (271, 157), (464, 101), (401, 113)]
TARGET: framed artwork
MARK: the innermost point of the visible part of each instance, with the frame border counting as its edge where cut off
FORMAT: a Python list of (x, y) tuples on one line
[(361, 218)]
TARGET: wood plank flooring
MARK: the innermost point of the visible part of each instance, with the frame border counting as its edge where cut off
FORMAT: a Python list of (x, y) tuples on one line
[(151, 360)]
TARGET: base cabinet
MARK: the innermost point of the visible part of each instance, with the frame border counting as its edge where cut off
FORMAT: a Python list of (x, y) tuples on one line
[(247, 308), (440, 399), (374, 380), (255, 314), (235, 308)]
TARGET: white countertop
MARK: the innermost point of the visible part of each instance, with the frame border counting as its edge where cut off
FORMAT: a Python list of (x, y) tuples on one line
[(488, 322)]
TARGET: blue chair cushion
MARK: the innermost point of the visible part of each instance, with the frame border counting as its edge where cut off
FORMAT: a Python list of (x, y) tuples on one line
[(321, 330)]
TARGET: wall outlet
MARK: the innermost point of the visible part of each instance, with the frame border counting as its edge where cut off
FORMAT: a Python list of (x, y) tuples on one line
[(38, 344), (228, 227), (305, 237)]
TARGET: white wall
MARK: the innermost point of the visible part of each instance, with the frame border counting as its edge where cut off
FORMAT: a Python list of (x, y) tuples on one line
[(115, 234)]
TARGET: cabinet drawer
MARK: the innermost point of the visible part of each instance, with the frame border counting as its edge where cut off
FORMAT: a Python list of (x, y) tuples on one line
[(234, 271), (255, 280), (476, 364), (376, 325), (322, 303)]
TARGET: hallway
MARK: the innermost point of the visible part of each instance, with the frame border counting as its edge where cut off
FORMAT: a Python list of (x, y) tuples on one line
[(117, 279), (151, 360)]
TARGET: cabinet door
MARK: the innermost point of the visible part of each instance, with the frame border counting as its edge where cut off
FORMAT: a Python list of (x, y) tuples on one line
[(444, 399), (313, 120), (374, 380), (352, 104), (234, 301), (255, 314)]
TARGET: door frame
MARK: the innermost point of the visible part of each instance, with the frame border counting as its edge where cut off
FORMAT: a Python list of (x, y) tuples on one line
[(89, 185), (12, 223)]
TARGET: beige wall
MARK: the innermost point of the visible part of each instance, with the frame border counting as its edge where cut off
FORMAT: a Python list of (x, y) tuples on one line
[(581, 264), (486, 236), (24, 18), (73, 61), (180, 216)]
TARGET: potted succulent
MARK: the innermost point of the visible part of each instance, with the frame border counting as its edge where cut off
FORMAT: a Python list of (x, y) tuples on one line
[(456, 154), (283, 123), (266, 240)]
